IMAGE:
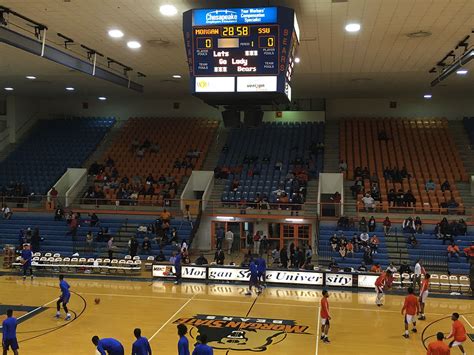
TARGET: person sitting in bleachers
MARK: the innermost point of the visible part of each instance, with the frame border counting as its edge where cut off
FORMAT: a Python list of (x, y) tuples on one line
[(333, 266), (404, 268), (342, 166), (372, 224), (94, 221), (365, 173), (334, 241), (408, 225), (418, 225), (376, 268), (387, 226), (364, 239), (355, 241), (453, 250), (404, 173), (201, 260), (362, 267), (146, 246), (445, 186), (342, 249), (374, 244), (375, 192), (409, 199), (363, 225), (430, 185), (400, 198), (358, 187), (369, 202), (391, 268), (343, 222), (469, 251), (412, 240), (357, 173), (391, 198), (461, 227), (452, 206), (349, 249)]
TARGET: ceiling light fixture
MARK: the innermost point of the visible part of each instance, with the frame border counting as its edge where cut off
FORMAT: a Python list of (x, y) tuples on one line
[(31, 77), (70, 88), (427, 96), (115, 33), (133, 44), (462, 72), (177, 76), (297, 60), (168, 10), (8, 89), (102, 98), (352, 27)]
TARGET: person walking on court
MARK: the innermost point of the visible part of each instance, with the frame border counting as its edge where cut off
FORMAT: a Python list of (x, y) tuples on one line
[(253, 281), (26, 258), (424, 291), (202, 348), (108, 346), (63, 298), (141, 346), (382, 282), (438, 347), (458, 333), (261, 271), (419, 270), (229, 239), (183, 343), (9, 333), (325, 317), (219, 237), (410, 309)]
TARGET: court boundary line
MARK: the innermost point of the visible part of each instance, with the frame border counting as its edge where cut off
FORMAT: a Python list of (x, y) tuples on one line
[(472, 326), (36, 309), (169, 320), (317, 330)]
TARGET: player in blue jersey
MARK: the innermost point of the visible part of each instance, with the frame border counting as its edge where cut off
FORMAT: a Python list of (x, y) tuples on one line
[(26, 258), (141, 346), (253, 282), (108, 346), (63, 298), (178, 267), (261, 271), (183, 343), (202, 348), (9, 333)]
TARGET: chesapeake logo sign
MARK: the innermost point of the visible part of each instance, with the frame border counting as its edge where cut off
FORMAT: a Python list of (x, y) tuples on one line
[(241, 333), (203, 17), (339, 280)]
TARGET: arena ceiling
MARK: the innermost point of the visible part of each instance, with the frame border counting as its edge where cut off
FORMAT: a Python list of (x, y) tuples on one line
[(379, 61)]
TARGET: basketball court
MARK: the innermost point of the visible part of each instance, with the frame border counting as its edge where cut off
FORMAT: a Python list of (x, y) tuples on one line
[(279, 321)]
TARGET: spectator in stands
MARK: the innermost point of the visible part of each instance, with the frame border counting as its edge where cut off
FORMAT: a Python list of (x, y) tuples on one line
[(400, 198), (391, 268), (369, 202), (408, 225), (391, 198), (372, 224), (445, 186), (110, 247), (375, 192), (219, 257), (368, 256), (146, 246), (409, 199), (363, 225), (418, 225), (453, 250), (165, 216), (94, 220), (404, 173), (387, 226), (461, 227), (54, 196), (349, 249), (343, 222), (89, 241), (469, 251), (362, 267), (357, 172), (342, 166), (333, 266), (404, 268), (374, 179), (364, 239), (342, 249), (374, 244), (357, 187), (452, 206), (58, 213), (355, 241), (73, 225), (201, 260), (336, 198), (133, 246), (284, 258), (160, 256), (376, 268), (94, 168), (7, 212), (174, 238), (430, 185), (412, 240)]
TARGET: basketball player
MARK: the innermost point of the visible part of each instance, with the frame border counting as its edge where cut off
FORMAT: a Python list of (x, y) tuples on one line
[(178, 267), (63, 298), (202, 348), (141, 346), (108, 346), (261, 271), (410, 310), (458, 333), (26, 257), (9, 333), (425, 285), (384, 280), (438, 347), (183, 343), (325, 317), (253, 282)]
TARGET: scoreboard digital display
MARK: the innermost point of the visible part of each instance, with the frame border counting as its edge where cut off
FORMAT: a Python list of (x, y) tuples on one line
[(241, 51)]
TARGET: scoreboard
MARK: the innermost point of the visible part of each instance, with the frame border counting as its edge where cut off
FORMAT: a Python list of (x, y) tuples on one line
[(241, 55)]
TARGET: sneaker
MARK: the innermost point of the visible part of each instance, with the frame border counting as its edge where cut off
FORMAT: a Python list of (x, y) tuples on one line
[(248, 293), (176, 282), (406, 336), (322, 337), (379, 305), (326, 340), (68, 317), (421, 318), (414, 330), (57, 316), (31, 277), (24, 278)]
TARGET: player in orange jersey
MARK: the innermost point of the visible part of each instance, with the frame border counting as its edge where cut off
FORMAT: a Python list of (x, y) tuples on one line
[(325, 317), (424, 290), (438, 347), (410, 310), (382, 282), (458, 333)]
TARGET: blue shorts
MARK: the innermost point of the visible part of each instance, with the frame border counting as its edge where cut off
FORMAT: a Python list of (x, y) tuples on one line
[(10, 343), (64, 298)]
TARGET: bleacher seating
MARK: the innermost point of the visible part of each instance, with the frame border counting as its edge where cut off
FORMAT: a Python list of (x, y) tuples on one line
[(267, 145), (175, 137), (51, 148), (469, 126), (424, 147), (57, 240)]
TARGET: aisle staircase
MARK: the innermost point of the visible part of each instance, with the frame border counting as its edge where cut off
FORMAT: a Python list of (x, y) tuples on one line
[(331, 146), (215, 149)]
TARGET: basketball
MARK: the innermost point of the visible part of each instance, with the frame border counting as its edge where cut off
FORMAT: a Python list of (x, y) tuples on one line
[(97, 300)]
